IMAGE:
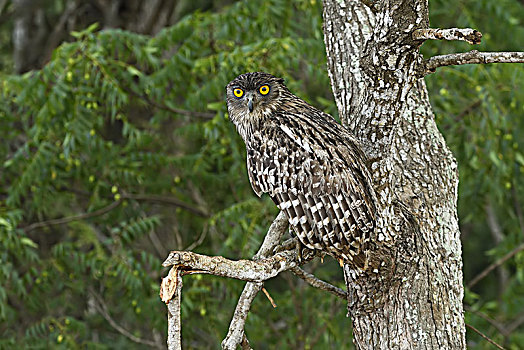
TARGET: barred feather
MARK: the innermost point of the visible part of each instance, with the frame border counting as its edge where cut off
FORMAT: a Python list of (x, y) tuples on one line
[(311, 166)]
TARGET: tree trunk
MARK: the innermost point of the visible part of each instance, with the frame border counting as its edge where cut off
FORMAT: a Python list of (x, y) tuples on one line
[(411, 296)]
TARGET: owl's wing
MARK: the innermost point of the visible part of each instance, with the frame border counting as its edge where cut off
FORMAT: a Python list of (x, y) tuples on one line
[(320, 181)]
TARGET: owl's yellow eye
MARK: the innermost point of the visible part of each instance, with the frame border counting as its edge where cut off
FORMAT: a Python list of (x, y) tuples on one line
[(238, 92), (264, 89)]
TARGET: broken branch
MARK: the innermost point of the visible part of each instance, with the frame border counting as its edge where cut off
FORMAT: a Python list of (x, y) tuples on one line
[(174, 319), (472, 36)]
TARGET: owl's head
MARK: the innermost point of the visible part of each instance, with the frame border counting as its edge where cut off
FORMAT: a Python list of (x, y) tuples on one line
[(253, 95)]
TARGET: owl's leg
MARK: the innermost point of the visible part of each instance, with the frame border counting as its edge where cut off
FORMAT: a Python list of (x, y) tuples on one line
[(292, 243), (298, 245), (304, 253)]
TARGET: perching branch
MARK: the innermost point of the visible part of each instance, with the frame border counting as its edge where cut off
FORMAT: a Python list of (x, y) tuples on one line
[(255, 271), (471, 57), (245, 270), (472, 36)]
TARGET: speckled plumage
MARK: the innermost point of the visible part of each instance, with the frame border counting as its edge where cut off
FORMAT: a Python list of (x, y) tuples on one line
[(311, 166)]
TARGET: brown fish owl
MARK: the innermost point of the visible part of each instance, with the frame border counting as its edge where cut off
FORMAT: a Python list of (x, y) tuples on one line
[(310, 165)]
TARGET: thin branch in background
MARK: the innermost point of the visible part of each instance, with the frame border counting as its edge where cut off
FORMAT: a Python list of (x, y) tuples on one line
[(201, 115), (518, 209), (101, 307), (318, 283), (58, 33), (140, 197), (498, 237), (269, 298), (504, 330), (472, 36), (467, 110), (69, 219), (488, 339), (471, 57), (493, 266), (160, 249), (497, 325), (196, 195), (166, 200), (515, 323), (320, 332), (200, 239)]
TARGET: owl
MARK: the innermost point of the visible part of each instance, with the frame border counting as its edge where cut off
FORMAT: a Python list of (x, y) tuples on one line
[(308, 164)]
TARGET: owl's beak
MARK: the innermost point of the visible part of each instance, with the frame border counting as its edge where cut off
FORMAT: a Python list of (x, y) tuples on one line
[(250, 102)]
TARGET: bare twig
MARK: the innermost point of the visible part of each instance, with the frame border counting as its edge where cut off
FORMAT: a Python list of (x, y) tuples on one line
[(317, 283), (101, 307), (488, 339), (236, 333), (493, 266), (472, 36), (471, 57), (269, 297), (69, 219)]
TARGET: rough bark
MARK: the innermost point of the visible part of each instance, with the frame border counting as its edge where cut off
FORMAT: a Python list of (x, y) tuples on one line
[(411, 298)]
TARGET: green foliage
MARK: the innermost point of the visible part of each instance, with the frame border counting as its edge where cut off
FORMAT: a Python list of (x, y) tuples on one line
[(120, 149)]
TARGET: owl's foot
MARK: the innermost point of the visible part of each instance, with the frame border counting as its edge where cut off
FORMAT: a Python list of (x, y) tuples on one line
[(289, 244)]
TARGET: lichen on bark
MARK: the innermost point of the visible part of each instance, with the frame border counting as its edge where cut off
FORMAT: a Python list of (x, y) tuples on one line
[(415, 299)]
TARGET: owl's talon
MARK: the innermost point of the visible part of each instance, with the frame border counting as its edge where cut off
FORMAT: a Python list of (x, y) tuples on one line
[(298, 247)]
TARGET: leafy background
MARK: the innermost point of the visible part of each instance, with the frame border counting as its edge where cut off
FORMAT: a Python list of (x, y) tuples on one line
[(116, 148)]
